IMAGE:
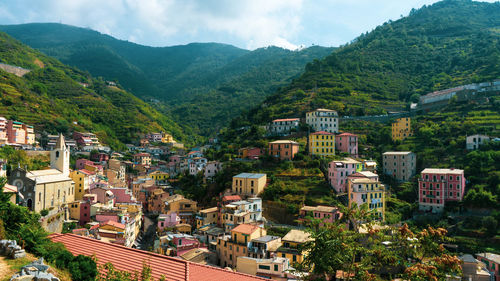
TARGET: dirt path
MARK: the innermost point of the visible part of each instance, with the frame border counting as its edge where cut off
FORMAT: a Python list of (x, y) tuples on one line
[(5, 271)]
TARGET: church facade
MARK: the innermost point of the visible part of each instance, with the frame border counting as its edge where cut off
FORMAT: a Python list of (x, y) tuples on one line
[(50, 188)]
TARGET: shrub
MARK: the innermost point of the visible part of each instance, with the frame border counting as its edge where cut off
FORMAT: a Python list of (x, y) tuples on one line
[(44, 212), (82, 268)]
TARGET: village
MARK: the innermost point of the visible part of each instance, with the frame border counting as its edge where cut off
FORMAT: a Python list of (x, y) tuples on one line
[(131, 198)]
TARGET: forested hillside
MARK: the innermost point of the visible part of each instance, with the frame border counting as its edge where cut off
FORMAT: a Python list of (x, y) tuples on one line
[(200, 85), (58, 98), (450, 43)]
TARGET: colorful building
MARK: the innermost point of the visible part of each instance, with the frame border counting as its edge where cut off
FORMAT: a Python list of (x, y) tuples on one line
[(271, 268), (207, 217), (159, 177), (437, 186), (83, 180), (263, 247), (250, 153), (322, 144), (339, 170), (327, 214), (230, 247), (80, 211), (492, 262), (16, 134), (168, 221), (283, 149), (142, 159), (367, 191), (283, 127), (323, 120), (401, 128), (291, 244), (348, 143), (3, 131), (249, 184), (211, 169), (401, 165), (86, 139)]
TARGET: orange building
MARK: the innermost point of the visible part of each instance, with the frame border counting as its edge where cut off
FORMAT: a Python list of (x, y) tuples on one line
[(283, 149)]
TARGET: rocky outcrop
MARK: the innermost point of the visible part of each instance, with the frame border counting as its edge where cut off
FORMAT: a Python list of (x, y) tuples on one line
[(35, 271), (9, 248)]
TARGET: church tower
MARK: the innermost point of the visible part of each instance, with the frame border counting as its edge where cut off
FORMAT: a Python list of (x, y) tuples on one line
[(59, 157)]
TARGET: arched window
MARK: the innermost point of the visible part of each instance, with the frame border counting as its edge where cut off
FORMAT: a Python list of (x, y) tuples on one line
[(57, 154)]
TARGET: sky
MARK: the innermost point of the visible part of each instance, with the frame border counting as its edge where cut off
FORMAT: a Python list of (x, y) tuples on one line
[(247, 24)]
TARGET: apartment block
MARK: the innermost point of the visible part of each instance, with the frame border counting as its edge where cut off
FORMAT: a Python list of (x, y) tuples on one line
[(283, 149), (3, 131), (283, 127), (473, 142), (401, 128), (367, 191), (230, 247), (339, 170), (291, 244), (248, 184), (438, 186), (327, 214), (322, 143), (323, 120), (401, 165), (272, 268), (348, 143)]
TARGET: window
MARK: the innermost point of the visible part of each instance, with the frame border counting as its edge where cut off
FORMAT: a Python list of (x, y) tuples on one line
[(266, 267), (275, 267), (294, 258), (283, 255)]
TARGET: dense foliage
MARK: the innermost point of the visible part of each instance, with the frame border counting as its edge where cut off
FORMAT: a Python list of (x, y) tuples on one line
[(201, 86), (52, 98), (450, 43)]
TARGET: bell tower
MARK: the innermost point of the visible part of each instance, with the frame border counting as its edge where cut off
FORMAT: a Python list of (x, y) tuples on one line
[(59, 157)]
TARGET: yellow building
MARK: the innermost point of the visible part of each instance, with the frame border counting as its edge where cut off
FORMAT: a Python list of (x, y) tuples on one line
[(401, 128), (206, 217), (291, 243), (159, 176), (367, 191), (82, 179), (167, 138), (322, 144), (229, 248), (248, 184)]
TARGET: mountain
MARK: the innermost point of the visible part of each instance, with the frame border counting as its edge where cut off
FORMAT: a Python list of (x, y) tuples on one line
[(201, 85), (58, 98), (447, 44)]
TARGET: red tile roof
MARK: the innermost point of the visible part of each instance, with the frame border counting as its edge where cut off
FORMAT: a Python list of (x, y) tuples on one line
[(287, 119), (114, 223), (129, 259), (87, 172), (231, 197), (347, 134), (245, 228), (321, 133)]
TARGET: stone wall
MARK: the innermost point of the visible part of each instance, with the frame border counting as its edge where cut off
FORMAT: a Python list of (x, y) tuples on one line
[(10, 249), (54, 221), (36, 271), (16, 70)]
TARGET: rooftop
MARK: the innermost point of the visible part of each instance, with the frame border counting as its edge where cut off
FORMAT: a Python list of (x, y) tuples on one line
[(286, 119), (250, 176), (297, 236), (490, 256), (397, 153), (326, 209), (284, 142), (265, 239), (321, 133), (346, 134), (209, 210), (231, 197), (442, 171), (129, 259), (245, 228)]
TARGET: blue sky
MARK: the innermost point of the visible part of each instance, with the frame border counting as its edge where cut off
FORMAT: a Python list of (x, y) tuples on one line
[(246, 24)]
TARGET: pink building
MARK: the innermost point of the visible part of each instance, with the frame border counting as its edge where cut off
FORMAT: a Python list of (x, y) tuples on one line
[(492, 262), (15, 132), (104, 195), (3, 130), (107, 216), (347, 142), (122, 195), (339, 170), (325, 213), (437, 186), (169, 220)]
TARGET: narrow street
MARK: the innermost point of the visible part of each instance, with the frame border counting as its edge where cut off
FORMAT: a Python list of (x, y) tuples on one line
[(146, 240)]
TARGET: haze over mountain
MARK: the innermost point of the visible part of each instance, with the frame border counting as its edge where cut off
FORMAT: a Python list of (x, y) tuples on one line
[(203, 84)]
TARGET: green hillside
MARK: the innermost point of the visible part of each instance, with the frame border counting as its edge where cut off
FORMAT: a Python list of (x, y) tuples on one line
[(450, 43), (200, 85), (52, 98)]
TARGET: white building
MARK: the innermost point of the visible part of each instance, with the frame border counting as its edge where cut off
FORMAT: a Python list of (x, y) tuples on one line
[(283, 127), (473, 142), (323, 120)]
